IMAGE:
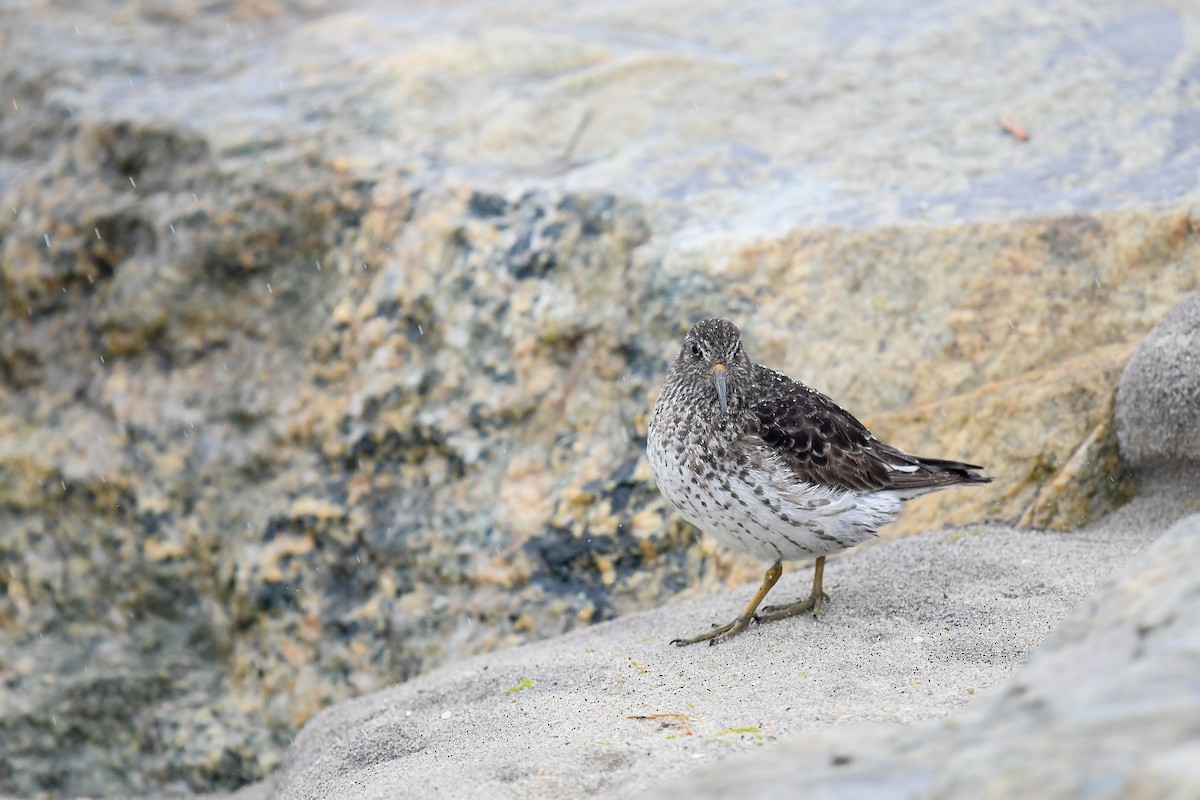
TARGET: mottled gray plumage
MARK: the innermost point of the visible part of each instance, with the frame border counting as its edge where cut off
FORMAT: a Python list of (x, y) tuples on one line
[(769, 466)]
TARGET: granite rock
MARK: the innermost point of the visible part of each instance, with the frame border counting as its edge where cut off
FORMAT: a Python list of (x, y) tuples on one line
[(328, 337), (1107, 708), (913, 683), (1158, 399)]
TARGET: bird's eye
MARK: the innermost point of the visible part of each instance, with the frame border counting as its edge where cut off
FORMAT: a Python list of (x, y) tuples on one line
[(695, 350)]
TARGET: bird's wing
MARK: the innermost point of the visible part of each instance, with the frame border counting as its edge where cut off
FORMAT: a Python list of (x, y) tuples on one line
[(824, 444)]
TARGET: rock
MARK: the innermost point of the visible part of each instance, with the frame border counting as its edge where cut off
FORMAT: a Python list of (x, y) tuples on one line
[(1158, 399), (1107, 708), (328, 338), (1041, 484), (933, 626)]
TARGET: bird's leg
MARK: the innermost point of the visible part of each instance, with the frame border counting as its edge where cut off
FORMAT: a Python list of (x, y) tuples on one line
[(811, 603), (720, 633)]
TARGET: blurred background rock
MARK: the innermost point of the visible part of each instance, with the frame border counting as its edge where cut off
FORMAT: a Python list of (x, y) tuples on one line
[(328, 337)]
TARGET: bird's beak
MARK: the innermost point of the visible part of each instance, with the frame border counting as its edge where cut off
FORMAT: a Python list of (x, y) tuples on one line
[(718, 376)]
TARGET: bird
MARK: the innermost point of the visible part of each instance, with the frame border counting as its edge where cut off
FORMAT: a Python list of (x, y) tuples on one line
[(773, 468)]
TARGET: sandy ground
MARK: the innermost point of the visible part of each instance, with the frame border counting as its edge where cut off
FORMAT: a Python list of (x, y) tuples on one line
[(917, 628)]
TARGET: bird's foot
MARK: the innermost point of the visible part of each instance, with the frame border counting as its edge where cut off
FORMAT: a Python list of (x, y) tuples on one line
[(813, 603), (719, 633)]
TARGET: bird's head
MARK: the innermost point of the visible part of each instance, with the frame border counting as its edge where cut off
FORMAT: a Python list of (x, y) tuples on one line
[(713, 364)]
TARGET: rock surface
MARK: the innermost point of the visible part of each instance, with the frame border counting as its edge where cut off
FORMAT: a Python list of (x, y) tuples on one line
[(327, 338), (613, 710), (918, 628), (1108, 708), (1158, 413)]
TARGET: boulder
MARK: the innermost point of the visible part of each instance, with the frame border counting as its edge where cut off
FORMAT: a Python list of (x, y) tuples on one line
[(913, 682), (328, 337), (1158, 398), (1107, 708)]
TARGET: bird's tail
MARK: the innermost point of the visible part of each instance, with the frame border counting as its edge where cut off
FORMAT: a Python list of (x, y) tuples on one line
[(913, 476), (956, 471)]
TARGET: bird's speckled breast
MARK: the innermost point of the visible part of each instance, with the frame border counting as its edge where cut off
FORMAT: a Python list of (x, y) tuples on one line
[(743, 495)]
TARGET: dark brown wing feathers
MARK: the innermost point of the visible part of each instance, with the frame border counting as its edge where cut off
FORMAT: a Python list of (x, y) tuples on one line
[(827, 446)]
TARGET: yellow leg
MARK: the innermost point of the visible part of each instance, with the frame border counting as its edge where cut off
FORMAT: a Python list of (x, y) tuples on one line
[(811, 603), (720, 633)]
